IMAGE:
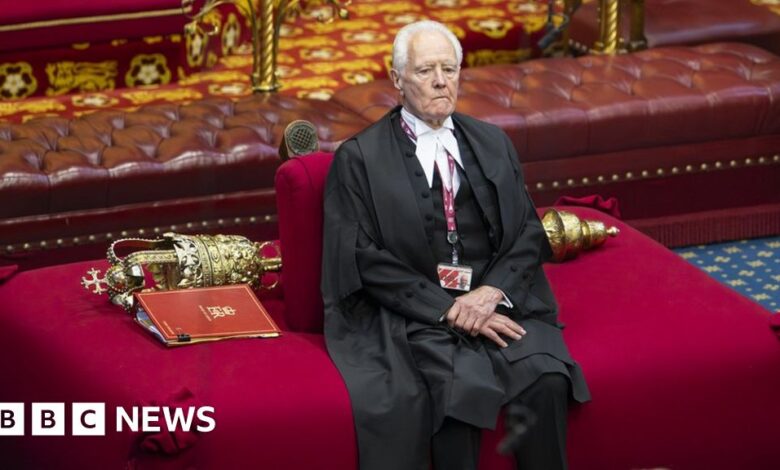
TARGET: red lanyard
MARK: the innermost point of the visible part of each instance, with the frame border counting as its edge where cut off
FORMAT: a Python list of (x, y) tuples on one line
[(448, 197)]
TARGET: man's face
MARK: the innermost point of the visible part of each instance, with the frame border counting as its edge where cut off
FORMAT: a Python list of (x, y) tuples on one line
[(429, 83)]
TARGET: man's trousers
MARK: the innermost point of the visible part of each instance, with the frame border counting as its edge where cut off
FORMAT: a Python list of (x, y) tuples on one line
[(542, 447)]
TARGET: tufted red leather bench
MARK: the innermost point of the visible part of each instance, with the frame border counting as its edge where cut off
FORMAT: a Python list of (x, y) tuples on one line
[(208, 166), (645, 127), (690, 22), (688, 139)]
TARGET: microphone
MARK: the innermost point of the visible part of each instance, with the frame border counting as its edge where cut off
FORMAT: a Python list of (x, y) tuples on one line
[(299, 138)]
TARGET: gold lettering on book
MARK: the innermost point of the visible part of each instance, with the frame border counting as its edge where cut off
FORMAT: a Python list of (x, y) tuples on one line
[(220, 312)]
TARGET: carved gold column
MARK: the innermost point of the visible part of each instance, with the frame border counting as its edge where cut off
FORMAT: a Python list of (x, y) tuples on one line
[(266, 24), (267, 78), (609, 27)]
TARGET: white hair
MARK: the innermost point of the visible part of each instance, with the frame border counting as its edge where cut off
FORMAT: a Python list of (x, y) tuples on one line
[(405, 34)]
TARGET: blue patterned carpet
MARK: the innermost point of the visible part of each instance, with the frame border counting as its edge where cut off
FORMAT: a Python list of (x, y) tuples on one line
[(751, 267)]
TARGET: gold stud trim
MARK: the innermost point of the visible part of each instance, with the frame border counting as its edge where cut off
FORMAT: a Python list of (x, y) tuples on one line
[(658, 172), (40, 245)]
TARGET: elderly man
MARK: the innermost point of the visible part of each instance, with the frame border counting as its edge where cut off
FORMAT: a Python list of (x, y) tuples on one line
[(437, 312)]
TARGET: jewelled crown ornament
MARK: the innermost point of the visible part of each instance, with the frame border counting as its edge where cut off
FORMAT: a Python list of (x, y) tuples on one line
[(569, 235), (180, 262)]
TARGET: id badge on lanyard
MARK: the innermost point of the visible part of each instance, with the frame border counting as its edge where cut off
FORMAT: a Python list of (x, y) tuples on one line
[(453, 275)]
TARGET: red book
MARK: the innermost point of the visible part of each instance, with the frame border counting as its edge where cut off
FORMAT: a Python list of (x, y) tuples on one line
[(189, 316)]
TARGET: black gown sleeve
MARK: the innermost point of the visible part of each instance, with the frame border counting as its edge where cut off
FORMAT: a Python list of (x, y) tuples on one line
[(516, 266), (354, 258)]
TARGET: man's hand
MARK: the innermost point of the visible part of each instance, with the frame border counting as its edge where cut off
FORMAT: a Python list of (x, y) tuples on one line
[(471, 311), (501, 324)]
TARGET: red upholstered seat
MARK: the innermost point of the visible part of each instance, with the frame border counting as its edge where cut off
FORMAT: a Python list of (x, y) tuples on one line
[(683, 371), (300, 183), (665, 348), (279, 403)]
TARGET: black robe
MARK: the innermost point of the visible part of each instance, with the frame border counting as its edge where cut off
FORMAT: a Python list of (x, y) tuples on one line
[(379, 275)]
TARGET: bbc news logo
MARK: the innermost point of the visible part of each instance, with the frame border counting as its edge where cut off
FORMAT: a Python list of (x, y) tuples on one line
[(89, 419)]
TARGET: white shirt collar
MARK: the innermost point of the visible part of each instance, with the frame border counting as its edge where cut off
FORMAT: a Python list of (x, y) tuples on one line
[(419, 127), (428, 142)]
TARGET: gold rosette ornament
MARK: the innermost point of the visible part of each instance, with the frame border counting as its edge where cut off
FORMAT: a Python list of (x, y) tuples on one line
[(569, 235), (180, 262)]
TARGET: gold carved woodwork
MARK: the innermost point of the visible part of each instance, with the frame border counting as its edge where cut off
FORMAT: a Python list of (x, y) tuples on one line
[(265, 21), (610, 17)]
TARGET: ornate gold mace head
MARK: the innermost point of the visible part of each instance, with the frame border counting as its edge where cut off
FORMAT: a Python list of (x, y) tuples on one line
[(179, 262), (569, 235)]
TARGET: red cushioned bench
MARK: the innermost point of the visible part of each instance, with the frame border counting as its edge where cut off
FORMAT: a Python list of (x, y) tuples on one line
[(683, 371), (687, 138), (691, 22), (69, 187), (645, 128)]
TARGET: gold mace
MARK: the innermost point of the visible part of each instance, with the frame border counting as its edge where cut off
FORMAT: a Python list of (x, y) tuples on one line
[(569, 235), (178, 261)]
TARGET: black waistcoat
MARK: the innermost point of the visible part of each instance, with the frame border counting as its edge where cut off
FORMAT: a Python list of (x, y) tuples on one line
[(477, 243)]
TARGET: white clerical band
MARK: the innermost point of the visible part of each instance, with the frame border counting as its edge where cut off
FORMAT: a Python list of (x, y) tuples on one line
[(433, 146)]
